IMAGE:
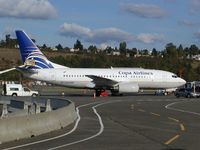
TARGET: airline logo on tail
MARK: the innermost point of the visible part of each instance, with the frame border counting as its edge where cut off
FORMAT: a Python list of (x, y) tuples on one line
[(32, 57)]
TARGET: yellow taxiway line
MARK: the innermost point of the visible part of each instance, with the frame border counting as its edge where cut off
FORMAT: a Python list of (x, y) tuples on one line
[(182, 127), (176, 120), (141, 110), (172, 139)]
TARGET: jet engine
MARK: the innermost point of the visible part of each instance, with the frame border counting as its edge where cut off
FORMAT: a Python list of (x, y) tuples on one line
[(126, 88)]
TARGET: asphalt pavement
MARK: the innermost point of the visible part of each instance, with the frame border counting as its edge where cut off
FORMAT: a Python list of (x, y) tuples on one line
[(137, 122)]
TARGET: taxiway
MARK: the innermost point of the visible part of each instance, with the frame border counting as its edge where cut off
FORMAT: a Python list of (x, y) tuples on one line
[(126, 122)]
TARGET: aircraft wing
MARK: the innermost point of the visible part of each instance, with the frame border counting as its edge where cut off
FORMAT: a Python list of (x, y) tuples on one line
[(7, 70), (102, 82)]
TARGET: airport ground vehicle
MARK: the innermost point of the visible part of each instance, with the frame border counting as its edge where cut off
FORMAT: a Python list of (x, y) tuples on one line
[(165, 92), (185, 92), (18, 90)]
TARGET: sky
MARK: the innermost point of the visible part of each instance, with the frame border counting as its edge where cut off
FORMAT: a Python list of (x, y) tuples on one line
[(143, 24)]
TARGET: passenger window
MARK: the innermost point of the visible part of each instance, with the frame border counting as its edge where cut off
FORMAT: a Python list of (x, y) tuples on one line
[(14, 89), (26, 89)]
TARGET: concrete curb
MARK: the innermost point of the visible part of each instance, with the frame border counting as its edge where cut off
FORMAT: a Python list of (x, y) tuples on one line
[(15, 128)]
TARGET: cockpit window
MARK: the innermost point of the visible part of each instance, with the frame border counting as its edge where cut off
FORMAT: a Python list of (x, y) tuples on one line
[(174, 76)]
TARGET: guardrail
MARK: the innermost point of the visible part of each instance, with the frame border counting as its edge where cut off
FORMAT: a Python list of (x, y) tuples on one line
[(15, 128)]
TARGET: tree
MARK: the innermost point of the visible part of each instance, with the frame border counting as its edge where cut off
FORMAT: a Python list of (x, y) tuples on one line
[(122, 47), (67, 49), (194, 50), (2, 43), (133, 52), (78, 45), (92, 49), (154, 52), (59, 47), (109, 49), (8, 39), (10, 43), (44, 46), (170, 50), (186, 51), (145, 52), (180, 51), (33, 40)]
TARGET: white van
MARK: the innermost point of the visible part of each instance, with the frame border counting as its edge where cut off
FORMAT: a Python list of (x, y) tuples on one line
[(17, 90)]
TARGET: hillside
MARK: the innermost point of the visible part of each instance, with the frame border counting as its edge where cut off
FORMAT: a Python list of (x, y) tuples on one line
[(185, 68), (11, 57)]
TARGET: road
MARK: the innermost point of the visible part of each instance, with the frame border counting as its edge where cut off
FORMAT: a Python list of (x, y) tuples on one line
[(127, 122)]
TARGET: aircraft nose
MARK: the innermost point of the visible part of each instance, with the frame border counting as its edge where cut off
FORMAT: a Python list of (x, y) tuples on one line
[(182, 81)]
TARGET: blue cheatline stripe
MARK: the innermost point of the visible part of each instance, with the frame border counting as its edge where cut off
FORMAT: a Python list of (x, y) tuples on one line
[(41, 65), (29, 51), (44, 64), (36, 54), (38, 59)]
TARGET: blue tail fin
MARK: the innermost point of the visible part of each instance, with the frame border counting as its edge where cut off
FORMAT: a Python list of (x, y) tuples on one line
[(31, 55)]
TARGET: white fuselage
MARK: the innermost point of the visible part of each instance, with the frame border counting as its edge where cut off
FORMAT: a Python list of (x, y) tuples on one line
[(78, 77), (117, 80)]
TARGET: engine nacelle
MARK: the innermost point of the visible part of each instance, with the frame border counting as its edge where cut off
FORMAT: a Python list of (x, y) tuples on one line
[(127, 88)]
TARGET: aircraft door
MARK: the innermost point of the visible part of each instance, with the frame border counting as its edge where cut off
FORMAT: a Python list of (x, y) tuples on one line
[(53, 76), (26, 92), (4, 89)]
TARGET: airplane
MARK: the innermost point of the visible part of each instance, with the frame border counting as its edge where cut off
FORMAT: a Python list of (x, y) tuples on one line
[(7, 70), (118, 80)]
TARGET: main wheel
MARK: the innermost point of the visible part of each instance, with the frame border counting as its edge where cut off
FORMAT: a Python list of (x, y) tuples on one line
[(188, 96), (14, 94), (34, 95)]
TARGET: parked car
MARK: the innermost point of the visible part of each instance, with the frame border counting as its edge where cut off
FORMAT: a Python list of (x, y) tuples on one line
[(18, 90), (188, 93)]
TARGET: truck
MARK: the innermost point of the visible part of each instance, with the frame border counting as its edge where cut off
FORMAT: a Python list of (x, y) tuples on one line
[(18, 90), (191, 89)]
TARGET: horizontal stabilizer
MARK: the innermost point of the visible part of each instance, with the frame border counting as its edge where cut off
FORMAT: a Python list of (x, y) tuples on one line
[(7, 70), (24, 69)]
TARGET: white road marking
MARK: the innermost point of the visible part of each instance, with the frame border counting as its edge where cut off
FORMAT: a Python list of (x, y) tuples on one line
[(158, 100), (141, 110), (100, 121), (169, 106), (56, 137), (93, 136), (155, 114)]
